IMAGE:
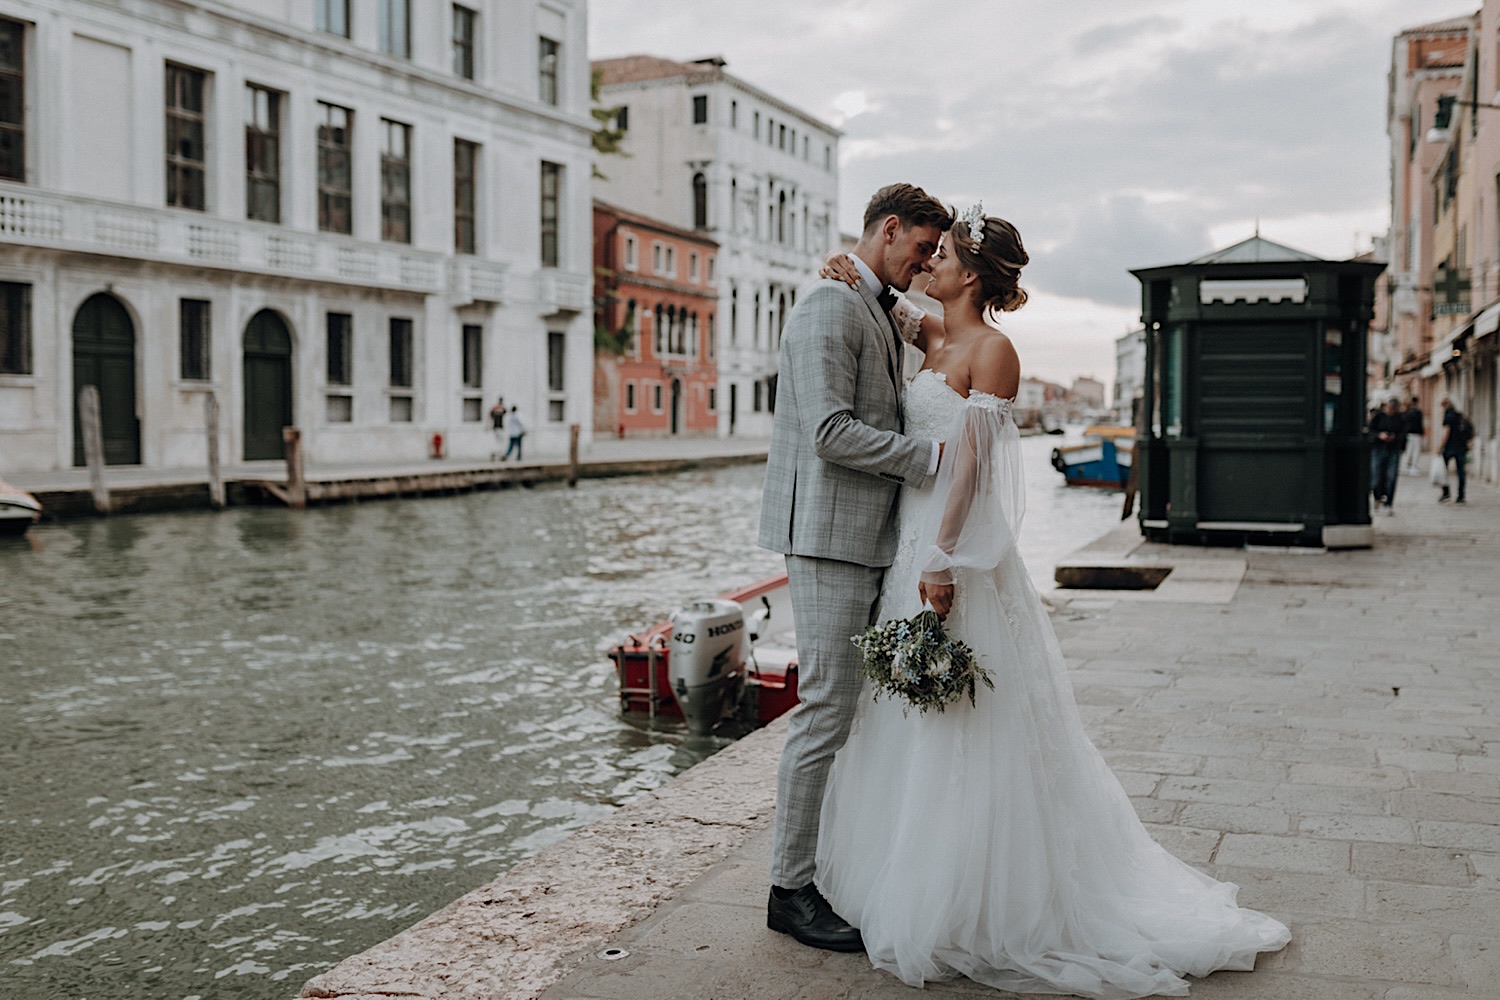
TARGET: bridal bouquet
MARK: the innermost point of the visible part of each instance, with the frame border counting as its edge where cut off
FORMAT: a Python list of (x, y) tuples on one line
[(915, 660)]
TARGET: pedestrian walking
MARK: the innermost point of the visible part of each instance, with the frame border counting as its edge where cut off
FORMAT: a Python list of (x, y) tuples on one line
[(497, 425), (517, 432), (1415, 431), (1387, 441), (1458, 432)]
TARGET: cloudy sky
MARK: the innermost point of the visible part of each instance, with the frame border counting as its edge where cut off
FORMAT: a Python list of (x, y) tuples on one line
[(1113, 133)]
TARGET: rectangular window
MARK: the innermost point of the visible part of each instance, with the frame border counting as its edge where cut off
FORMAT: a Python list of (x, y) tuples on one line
[(262, 154), (473, 411), (551, 195), (546, 69), (394, 27), (781, 143), (693, 267), (755, 396), (622, 118), (335, 181), (395, 183), (400, 353), (658, 255), (193, 333), (757, 125), (629, 397), (734, 114), (15, 328), (656, 397), (340, 409), (671, 270), (631, 254), (401, 410), (700, 109), (713, 399), (473, 348), (185, 131), (12, 101), (465, 161), (331, 16), (463, 41), (709, 276), (556, 344), (340, 328)]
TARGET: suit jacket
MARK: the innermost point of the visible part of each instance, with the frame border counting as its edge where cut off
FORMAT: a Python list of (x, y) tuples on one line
[(838, 457)]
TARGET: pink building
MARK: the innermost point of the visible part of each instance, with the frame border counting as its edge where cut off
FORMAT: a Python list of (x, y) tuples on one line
[(655, 305)]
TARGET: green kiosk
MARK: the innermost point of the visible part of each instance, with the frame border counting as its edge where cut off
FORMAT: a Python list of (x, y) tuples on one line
[(1253, 416)]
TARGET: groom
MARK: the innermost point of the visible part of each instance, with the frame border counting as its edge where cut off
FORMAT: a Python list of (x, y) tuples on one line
[(837, 462)]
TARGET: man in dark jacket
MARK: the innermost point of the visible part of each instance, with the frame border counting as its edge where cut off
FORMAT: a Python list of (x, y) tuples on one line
[(1387, 439), (1458, 432)]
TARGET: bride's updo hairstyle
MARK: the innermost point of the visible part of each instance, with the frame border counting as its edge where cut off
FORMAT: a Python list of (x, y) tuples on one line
[(997, 260)]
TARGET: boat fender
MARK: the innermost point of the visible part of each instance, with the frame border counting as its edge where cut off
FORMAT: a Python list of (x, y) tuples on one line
[(1057, 461)]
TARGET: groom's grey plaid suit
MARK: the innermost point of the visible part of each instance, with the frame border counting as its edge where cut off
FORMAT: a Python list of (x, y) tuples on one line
[(837, 462)]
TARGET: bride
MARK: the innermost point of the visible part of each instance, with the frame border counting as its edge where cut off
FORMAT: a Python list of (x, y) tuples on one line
[(992, 841)]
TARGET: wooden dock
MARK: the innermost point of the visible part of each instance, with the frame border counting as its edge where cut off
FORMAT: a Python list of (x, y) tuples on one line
[(68, 494)]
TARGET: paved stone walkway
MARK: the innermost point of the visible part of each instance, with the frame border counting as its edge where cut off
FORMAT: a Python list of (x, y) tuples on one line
[(1329, 739)]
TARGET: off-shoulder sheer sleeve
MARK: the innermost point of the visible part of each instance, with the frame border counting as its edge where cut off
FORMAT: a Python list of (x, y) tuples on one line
[(908, 318), (982, 494)]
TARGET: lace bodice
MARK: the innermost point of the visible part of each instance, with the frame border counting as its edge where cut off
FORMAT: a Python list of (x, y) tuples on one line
[(932, 406)]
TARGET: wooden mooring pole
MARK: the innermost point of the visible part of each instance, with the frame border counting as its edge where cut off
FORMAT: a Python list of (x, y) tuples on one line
[(215, 475), (296, 486), (93, 445), (572, 454)]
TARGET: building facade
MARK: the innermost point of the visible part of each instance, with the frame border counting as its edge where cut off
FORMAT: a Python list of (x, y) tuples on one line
[(708, 152), (364, 218), (655, 320), (1444, 245), (1130, 376)]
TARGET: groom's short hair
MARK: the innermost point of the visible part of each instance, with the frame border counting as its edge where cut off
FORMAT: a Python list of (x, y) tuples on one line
[(910, 204)]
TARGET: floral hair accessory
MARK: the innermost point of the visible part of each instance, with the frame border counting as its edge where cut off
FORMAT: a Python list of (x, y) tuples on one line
[(974, 218)]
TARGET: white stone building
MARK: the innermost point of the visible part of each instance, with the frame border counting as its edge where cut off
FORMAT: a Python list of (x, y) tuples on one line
[(365, 218), (708, 151), (1130, 375)]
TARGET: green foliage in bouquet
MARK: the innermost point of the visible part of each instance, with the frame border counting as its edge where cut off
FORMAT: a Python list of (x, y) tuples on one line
[(915, 660)]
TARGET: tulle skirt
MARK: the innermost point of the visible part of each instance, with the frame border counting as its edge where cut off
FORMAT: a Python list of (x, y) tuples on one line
[(993, 842)]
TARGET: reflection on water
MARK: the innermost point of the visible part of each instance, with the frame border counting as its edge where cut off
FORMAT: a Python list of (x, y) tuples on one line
[(239, 746)]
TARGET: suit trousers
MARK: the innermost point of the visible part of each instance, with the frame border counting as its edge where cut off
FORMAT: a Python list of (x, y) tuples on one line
[(832, 601)]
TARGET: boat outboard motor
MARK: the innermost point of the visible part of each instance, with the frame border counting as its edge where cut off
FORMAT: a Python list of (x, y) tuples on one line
[(707, 665)]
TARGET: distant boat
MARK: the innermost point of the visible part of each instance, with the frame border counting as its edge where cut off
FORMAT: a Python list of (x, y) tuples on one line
[(18, 510), (1103, 458)]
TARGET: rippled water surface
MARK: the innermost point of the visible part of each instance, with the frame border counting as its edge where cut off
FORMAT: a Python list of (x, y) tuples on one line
[(240, 746)]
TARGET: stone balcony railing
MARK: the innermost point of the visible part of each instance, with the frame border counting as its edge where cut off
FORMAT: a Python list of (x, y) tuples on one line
[(563, 291), (71, 222)]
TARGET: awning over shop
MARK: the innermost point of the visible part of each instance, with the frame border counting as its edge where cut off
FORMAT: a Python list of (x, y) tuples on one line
[(1487, 322)]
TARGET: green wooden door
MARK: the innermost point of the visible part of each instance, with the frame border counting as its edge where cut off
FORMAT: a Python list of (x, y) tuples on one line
[(268, 385), (1254, 420), (104, 356)]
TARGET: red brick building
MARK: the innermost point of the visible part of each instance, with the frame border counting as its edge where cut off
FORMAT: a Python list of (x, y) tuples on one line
[(654, 317)]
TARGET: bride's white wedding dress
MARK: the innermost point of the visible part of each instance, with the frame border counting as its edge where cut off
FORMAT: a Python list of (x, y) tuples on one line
[(993, 841)]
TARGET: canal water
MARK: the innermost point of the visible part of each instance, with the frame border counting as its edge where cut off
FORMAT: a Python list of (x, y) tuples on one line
[(237, 747)]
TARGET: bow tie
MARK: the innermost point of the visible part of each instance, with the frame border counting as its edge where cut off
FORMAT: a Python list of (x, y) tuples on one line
[(887, 298)]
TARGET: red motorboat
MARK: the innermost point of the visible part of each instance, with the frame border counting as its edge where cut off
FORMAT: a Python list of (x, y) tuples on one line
[(733, 656)]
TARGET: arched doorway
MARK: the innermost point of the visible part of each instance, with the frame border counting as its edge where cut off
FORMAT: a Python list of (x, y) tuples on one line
[(268, 384), (104, 356), (676, 404)]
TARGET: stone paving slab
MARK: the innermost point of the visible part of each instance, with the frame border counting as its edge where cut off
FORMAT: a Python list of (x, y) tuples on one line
[(1328, 739)]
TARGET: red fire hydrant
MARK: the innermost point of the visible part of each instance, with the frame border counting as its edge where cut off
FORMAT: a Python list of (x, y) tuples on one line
[(437, 444)]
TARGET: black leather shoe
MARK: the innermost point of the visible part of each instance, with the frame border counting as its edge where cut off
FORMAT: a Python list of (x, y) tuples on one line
[(806, 916)]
